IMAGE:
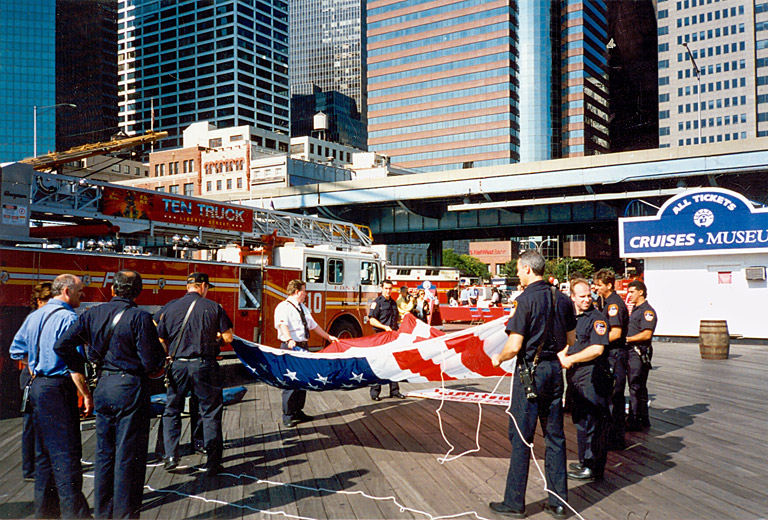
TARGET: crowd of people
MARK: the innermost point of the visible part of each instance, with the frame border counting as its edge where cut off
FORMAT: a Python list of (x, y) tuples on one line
[(602, 347), (117, 347)]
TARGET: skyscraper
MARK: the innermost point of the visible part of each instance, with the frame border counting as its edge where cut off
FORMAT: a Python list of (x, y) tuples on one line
[(327, 56), (55, 53), (442, 83), (539, 80), (185, 61), (584, 73), (713, 69)]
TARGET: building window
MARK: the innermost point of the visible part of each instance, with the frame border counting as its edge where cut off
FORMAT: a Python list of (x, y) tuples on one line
[(189, 189), (174, 189), (160, 188), (214, 143), (218, 185), (208, 186), (239, 183), (229, 184)]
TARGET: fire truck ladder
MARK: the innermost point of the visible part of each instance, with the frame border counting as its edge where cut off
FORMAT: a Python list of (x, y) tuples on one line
[(58, 197), (310, 230), (55, 159)]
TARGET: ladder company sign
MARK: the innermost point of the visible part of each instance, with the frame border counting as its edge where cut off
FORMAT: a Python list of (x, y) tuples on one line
[(698, 221), (164, 208)]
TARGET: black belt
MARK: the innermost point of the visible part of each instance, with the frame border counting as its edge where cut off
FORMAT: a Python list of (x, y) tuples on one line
[(52, 377), (120, 371), (195, 358), (302, 344)]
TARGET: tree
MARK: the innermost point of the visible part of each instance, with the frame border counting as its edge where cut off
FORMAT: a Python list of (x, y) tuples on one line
[(510, 269), (468, 265), (563, 267)]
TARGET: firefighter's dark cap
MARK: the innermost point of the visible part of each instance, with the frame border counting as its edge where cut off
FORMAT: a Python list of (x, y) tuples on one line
[(199, 278)]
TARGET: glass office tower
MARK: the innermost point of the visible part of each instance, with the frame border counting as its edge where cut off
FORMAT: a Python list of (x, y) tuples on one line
[(185, 61), (539, 80), (327, 54), (442, 83), (28, 59), (584, 70)]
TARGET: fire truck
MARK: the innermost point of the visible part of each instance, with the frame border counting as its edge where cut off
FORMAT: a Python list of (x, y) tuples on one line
[(441, 279), (53, 224)]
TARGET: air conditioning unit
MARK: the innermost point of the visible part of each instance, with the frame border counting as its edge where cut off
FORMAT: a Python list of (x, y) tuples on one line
[(755, 274)]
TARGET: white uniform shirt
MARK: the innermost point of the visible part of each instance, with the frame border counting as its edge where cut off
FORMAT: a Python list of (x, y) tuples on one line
[(286, 313)]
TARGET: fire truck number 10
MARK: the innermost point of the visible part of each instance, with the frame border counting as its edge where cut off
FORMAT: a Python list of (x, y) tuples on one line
[(315, 302)]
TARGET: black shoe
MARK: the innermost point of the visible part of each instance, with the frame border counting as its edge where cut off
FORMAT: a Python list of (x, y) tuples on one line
[(171, 463), (154, 458), (375, 398), (200, 450), (504, 509), (576, 466), (616, 445), (302, 417), (397, 395), (645, 422), (633, 427), (210, 468), (585, 475), (556, 511), (289, 422)]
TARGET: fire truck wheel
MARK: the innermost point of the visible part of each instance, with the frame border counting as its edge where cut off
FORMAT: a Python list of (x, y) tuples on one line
[(343, 329)]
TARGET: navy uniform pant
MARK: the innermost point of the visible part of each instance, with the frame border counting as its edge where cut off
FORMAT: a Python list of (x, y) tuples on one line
[(394, 389), (58, 475), (27, 431), (548, 409), (618, 360), (638, 387), (121, 403), (590, 416), (201, 378), (293, 403)]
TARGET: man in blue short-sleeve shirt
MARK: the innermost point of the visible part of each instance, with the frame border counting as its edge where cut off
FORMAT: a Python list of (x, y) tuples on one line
[(58, 476), (529, 325)]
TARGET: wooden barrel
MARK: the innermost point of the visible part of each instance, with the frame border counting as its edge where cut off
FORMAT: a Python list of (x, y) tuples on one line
[(713, 339)]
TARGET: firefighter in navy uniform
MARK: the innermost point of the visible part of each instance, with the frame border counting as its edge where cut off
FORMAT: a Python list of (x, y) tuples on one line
[(587, 364), (383, 316), (541, 324), (123, 344), (193, 329), (615, 311), (642, 323)]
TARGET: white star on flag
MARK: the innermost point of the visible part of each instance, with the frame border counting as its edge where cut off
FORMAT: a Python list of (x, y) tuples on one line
[(291, 374), (358, 377), (322, 379)]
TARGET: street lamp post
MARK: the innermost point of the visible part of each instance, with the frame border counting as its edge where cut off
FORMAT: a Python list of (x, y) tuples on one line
[(698, 78), (35, 109)]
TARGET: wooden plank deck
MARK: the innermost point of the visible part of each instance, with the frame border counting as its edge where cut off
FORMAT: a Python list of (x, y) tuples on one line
[(705, 456)]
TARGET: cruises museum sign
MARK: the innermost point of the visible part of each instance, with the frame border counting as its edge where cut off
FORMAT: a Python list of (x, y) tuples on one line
[(696, 222)]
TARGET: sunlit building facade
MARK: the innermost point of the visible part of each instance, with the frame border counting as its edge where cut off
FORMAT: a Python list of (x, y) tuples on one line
[(442, 83)]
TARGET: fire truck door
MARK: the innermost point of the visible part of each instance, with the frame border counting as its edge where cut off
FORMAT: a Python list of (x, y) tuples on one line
[(249, 294), (315, 270)]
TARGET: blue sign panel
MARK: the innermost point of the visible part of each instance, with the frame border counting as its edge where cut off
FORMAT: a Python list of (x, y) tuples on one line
[(698, 221)]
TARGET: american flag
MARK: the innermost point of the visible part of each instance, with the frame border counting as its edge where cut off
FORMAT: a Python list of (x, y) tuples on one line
[(417, 353)]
